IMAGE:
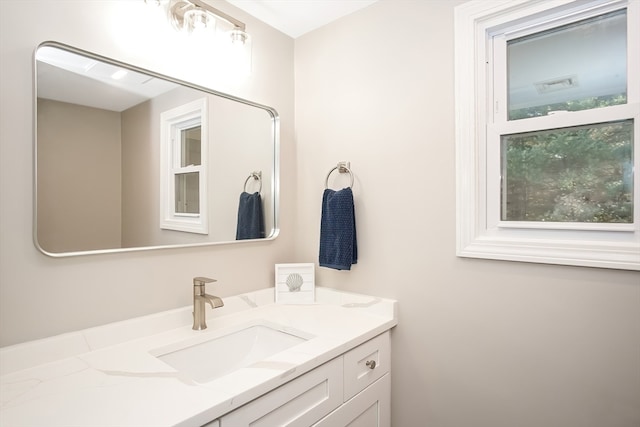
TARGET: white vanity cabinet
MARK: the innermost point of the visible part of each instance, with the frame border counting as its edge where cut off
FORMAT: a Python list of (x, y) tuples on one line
[(329, 380), (300, 402), (350, 390), (369, 408)]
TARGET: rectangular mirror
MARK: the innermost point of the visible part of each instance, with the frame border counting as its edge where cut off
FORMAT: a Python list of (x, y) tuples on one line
[(127, 159)]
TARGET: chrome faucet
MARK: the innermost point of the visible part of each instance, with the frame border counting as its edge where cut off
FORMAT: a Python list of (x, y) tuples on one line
[(199, 299)]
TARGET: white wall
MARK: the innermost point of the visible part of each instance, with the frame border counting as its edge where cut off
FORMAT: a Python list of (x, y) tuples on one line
[(42, 296), (480, 343)]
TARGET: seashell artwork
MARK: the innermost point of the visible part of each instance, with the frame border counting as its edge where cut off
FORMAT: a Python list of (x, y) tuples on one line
[(294, 282)]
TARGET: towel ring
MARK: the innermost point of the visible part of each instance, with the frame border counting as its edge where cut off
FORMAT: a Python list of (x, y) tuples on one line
[(257, 176), (342, 168)]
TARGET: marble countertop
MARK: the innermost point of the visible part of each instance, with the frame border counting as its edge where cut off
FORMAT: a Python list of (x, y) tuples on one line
[(107, 376)]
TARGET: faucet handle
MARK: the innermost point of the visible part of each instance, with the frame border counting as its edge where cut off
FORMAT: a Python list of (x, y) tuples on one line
[(202, 280)]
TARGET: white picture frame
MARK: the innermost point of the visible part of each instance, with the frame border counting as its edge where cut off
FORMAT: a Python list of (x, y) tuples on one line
[(295, 283)]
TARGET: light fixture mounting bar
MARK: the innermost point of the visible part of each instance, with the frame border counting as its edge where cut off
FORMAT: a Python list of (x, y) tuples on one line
[(201, 4)]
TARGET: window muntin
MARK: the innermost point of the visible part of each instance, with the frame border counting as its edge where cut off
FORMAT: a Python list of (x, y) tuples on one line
[(577, 174), (572, 67)]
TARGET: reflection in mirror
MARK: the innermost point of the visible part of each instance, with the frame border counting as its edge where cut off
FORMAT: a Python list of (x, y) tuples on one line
[(187, 191), (127, 159)]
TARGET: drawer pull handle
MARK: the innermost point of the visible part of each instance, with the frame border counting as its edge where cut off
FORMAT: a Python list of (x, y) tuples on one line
[(371, 364)]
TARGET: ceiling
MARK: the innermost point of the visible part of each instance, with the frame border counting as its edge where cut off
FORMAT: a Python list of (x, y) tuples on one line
[(297, 17)]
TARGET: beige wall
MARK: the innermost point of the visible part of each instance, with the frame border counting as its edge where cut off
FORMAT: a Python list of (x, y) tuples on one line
[(41, 296), (140, 172), (480, 343), (78, 154)]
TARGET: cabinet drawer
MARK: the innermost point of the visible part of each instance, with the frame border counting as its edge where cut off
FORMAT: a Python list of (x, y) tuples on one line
[(298, 403), (365, 364)]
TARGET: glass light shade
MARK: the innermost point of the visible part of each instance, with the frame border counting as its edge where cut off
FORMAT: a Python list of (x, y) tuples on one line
[(238, 36), (196, 20)]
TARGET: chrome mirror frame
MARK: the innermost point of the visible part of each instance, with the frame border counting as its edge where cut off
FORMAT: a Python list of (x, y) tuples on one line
[(275, 182)]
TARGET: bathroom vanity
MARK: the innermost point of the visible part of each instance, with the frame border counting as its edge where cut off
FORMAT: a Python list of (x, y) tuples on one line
[(258, 363)]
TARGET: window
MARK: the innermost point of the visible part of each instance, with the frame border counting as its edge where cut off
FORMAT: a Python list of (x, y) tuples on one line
[(547, 132), (183, 168)]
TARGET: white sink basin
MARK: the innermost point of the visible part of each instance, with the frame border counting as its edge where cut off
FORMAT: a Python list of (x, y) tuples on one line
[(221, 355)]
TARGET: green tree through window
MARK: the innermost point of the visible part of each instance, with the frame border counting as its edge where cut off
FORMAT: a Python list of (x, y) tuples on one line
[(579, 174)]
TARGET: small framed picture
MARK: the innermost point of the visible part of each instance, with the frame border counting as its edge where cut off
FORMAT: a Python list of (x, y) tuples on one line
[(295, 283)]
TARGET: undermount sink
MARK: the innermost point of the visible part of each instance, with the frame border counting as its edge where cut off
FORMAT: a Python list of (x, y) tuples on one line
[(224, 354)]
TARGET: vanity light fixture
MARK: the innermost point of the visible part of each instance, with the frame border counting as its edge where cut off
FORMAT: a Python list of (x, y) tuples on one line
[(194, 15)]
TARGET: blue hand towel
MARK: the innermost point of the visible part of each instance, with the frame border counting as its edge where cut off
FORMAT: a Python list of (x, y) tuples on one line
[(250, 219), (338, 246)]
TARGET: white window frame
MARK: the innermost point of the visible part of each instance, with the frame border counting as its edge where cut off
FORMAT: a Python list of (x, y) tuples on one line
[(173, 122), (480, 233)]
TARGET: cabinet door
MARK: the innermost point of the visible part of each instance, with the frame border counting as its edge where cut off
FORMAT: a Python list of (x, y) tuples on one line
[(369, 408), (298, 403)]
